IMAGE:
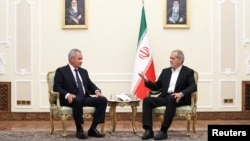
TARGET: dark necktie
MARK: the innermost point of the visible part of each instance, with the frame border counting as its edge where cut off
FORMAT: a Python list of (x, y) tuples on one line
[(79, 84)]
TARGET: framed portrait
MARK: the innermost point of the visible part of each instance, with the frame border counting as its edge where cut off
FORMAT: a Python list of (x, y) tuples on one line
[(176, 14), (75, 14)]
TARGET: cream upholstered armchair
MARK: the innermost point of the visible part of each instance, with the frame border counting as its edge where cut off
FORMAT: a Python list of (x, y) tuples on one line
[(188, 111), (63, 111)]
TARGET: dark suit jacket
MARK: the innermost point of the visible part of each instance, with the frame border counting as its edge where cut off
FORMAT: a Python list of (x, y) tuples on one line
[(64, 82), (185, 83)]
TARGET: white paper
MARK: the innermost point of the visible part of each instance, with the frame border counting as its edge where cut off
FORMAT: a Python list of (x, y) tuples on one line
[(123, 97)]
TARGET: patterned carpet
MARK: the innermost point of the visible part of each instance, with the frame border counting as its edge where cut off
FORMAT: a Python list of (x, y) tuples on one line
[(115, 136)]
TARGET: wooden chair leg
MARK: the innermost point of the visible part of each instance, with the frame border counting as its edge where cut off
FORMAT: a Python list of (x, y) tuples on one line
[(51, 120), (194, 118), (188, 117), (63, 119), (102, 128), (161, 118)]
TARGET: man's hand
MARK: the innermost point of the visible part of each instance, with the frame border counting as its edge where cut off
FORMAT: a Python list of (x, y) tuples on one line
[(171, 20), (71, 98), (142, 75), (181, 20), (177, 96), (98, 93), (79, 17), (75, 21)]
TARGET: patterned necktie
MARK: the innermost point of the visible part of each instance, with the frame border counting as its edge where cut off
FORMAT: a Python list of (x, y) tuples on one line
[(79, 84)]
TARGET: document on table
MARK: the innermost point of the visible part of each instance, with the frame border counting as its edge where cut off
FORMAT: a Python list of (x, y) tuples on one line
[(123, 97)]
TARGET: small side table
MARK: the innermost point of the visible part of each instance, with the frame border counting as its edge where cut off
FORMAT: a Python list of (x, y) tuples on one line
[(112, 111)]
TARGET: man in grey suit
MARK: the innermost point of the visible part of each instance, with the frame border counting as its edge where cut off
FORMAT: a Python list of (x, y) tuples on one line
[(74, 85), (177, 83)]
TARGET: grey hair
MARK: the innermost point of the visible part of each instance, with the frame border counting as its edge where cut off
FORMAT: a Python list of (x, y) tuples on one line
[(73, 52), (180, 54)]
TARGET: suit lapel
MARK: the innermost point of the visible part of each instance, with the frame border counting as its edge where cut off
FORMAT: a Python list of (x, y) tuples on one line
[(169, 73), (179, 79), (70, 74), (83, 78)]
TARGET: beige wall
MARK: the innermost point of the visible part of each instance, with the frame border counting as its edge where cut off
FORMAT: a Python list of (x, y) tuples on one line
[(32, 43)]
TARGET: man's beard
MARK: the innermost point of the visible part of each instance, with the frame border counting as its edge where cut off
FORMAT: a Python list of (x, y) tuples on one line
[(74, 8), (176, 9)]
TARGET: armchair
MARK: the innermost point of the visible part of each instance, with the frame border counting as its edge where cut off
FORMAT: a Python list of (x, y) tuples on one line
[(187, 111), (64, 112)]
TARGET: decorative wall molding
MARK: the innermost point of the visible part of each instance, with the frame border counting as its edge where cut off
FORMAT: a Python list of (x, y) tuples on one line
[(248, 63), (23, 45), (245, 40), (23, 90), (228, 49), (2, 63), (225, 93), (6, 41), (209, 92)]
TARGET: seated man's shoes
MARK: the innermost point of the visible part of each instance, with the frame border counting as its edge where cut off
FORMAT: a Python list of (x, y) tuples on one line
[(147, 135), (81, 135), (95, 133), (161, 136)]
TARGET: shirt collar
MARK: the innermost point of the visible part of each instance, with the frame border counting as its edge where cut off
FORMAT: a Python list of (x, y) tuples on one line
[(177, 70), (72, 68)]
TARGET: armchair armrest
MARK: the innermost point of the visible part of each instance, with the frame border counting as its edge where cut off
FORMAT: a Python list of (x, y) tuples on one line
[(55, 99)]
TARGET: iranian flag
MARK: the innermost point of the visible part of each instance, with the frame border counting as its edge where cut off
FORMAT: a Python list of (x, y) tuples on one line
[(143, 62)]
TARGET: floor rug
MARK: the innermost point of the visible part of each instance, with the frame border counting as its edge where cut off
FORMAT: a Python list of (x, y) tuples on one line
[(114, 136)]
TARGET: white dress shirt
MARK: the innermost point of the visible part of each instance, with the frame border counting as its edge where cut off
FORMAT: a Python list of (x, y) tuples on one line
[(173, 80)]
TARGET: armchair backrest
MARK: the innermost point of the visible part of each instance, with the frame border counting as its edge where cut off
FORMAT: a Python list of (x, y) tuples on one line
[(50, 81), (196, 77)]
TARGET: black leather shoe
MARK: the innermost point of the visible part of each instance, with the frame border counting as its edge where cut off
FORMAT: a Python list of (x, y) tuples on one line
[(147, 135), (161, 136), (95, 133), (80, 134)]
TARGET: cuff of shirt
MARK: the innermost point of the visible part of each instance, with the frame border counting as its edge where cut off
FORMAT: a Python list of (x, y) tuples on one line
[(97, 91), (181, 94), (66, 96)]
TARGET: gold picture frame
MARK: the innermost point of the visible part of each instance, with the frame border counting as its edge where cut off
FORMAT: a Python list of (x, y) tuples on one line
[(75, 18), (180, 19)]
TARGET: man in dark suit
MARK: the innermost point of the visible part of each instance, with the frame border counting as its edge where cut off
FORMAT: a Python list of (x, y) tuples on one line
[(74, 85), (177, 83)]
